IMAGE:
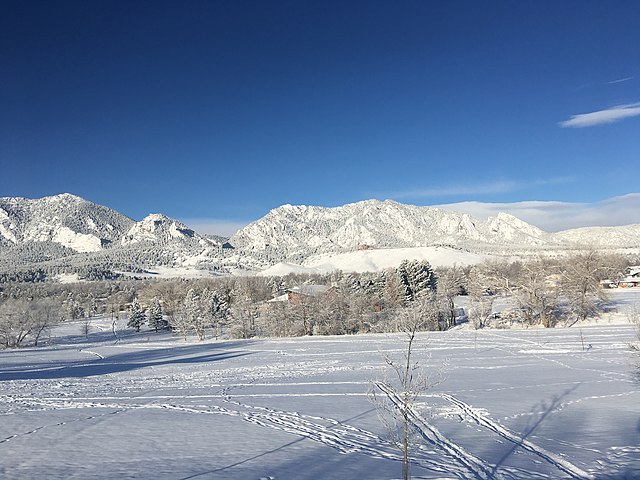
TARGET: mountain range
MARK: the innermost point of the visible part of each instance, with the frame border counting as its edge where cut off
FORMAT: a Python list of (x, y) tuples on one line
[(65, 233)]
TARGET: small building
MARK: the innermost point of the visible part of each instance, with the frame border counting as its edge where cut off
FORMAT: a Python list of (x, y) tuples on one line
[(297, 295), (631, 277)]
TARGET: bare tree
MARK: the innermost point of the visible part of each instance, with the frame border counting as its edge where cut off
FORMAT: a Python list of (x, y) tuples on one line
[(243, 316), (581, 275), (451, 283), (537, 293), (405, 380), (15, 322), (47, 314)]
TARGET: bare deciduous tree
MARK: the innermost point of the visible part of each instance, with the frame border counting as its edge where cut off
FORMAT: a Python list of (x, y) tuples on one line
[(451, 283), (581, 275), (395, 395)]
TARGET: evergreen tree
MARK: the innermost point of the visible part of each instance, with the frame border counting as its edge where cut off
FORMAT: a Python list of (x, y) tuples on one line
[(195, 313), (137, 316), (156, 318), (417, 278), (217, 309)]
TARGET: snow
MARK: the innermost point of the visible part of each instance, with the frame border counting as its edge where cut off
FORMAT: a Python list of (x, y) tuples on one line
[(305, 237), (283, 268), (67, 278), (512, 404), (376, 260), (80, 242), (160, 271)]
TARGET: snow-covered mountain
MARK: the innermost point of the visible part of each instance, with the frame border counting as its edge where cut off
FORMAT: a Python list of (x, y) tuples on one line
[(157, 228), (290, 231), (65, 219), (627, 236), (65, 233)]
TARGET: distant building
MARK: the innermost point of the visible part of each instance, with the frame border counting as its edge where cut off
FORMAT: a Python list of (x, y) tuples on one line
[(630, 279), (296, 295)]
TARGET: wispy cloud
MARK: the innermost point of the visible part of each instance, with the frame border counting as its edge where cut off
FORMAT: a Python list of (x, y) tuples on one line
[(486, 188), (610, 115), (620, 80), (454, 190), (556, 216), (214, 226)]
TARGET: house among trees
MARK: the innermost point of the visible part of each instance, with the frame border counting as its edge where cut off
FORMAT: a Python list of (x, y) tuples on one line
[(631, 278), (298, 294)]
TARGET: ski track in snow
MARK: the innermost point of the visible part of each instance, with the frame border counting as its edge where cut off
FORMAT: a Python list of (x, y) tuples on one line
[(473, 464), (438, 454), (343, 437), (552, 458)]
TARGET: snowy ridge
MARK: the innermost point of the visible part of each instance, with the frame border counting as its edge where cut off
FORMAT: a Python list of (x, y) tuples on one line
[(64, 219), (55, 229), (69, 233), (625, 236), (157, 228), (289, 231)]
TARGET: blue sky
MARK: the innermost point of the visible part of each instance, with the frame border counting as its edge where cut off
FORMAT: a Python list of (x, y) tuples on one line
[(215, 112)]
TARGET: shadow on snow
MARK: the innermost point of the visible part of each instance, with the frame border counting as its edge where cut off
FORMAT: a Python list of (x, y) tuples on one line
[(123, 362)]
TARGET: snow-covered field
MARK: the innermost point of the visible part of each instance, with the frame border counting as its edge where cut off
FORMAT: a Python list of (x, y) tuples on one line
[(376, 260), (517, 404)]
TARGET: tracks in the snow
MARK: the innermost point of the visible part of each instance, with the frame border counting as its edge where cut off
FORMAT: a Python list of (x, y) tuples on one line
[(439, 454), (482, 420), (477, 467)]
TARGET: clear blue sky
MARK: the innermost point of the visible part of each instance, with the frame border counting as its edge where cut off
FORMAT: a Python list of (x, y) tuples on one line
[(220, 111)]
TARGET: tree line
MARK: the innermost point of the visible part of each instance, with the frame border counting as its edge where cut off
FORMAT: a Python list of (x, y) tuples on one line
[(545, 292)]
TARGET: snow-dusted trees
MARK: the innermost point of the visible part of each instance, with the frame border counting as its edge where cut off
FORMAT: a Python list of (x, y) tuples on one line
[(393, 293), (537, 294), (416, 278), (581, 275), (194, 310), (22, 319), (15, 322), (451, 283), (47, 314), (216, 309), (480, 287), (136, 316), (243, 317), (156, 317), (73, 308)]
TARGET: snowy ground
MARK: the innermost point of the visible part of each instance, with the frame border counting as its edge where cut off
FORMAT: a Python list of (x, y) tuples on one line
[(518, 404)]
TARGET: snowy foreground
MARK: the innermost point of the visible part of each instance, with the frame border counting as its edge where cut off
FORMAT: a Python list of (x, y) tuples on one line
[(519, 404)]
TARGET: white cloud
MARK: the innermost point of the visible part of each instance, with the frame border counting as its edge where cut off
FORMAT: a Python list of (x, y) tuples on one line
[(214, 226), (556, 216), (620, 80), (479, 189), (600, 117), (499, 186)]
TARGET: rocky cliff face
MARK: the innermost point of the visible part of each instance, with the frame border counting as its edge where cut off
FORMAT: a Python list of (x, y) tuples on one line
[(292, 230)]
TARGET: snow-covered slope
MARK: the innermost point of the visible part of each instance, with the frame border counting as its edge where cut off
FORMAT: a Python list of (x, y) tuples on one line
[(627, 236), (379, 260), (157, 228), (64, 219), (67, 233), (284, 268), (294, 231), (60, 228)]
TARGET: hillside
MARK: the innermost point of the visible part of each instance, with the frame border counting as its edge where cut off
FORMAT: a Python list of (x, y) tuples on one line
[(295, 232), (67, 234)]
